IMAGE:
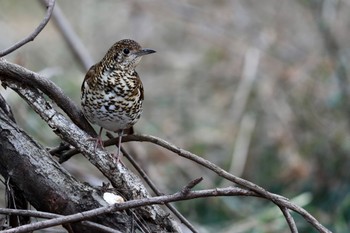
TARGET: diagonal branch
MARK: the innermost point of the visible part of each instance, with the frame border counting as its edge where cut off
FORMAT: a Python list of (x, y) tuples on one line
[(153, 187), (122, 179), (179, 196), (282, 202), (50, 5), (119, 176), (278, 200), (290, 220), (45, 184), (74, 42), (20, 74)]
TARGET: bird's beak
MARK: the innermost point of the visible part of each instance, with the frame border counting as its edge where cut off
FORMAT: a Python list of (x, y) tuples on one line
[(143, 52)]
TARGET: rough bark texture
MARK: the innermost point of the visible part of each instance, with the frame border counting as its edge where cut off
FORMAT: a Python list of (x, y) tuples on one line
[(46, 185)]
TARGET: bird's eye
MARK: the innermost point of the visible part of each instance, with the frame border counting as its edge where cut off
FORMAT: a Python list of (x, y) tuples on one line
[(126, 51)]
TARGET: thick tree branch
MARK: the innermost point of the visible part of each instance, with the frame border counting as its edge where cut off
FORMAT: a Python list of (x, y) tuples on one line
[(13, 195), (27, 77), (128, 184), (80, 51), (50, 5), (45, 184), (121, 178)]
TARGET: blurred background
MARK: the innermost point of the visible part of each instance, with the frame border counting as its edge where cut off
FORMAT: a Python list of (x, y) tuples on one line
[(261, 88)]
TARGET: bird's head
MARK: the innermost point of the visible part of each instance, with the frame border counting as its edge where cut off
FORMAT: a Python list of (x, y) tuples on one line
[(125, 55)]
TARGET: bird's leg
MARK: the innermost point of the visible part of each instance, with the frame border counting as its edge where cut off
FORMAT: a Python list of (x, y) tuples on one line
[(98, 140), (117, 154)]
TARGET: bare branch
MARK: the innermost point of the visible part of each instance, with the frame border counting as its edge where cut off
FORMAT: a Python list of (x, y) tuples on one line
[(278, 200), (120, 177), (179, 196), (104, 163), (44, 184), (290, 220), (191, 185), (72, 38), (27, 77), (41, 214), (153, 187), (50, 5), (30, 213), (99, 227)]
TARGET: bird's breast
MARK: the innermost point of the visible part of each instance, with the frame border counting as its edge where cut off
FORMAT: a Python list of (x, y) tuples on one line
[(114, 102)]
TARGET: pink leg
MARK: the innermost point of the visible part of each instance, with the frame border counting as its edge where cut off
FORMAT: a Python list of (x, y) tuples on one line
[(117, 154), (98, 140)]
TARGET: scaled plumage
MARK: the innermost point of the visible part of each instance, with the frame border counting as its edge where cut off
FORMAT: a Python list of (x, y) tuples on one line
[(112, 92)]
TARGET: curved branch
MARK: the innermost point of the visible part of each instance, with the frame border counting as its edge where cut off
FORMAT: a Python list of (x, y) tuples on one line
[(153, 187), (179, 196), (50, 5), (72, 38), (20, 74), (118, 175), (47, 215), (278, 200), (127, 184), (290, 220), (42, 181)]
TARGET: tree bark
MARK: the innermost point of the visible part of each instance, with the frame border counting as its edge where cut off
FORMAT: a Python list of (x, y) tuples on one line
[(45, 184)]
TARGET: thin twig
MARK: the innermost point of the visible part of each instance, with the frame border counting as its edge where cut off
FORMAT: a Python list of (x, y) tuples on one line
[(278, 200), (230, 191), (153, 187), (185, 190), (40, 214), (290, 220), (50, 5), (72, 38), (12, 72), (99, 227)]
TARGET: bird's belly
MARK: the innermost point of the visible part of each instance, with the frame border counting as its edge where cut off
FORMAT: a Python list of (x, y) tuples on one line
[(112, 115), (115, 125)]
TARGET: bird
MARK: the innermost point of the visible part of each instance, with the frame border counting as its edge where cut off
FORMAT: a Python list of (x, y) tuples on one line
[(112, 92)]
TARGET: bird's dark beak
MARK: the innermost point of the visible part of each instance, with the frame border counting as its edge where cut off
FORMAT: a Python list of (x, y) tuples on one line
[(143, 52)]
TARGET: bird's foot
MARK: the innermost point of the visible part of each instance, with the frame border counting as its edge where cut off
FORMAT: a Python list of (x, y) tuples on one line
[(98, 142), (116, 158), (117, 154)]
